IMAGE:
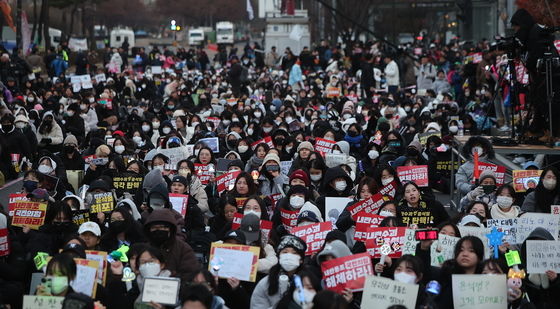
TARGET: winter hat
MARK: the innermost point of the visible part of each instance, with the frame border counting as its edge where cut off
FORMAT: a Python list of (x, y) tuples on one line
[(308, 206), (178, 113), (300, 174), (416, 144), (297, 189), (237, 163), (180, 179), (237, 136), (291, 241), (334, 235), (335, 248), (487, 174), (271, 157), (305, 145), (99, 184), (70, 140)]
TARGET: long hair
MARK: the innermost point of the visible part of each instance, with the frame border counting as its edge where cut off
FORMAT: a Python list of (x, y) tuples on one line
[(543, 197)]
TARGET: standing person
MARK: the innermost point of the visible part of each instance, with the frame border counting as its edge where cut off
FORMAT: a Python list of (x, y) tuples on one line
[(81, 63), (35, 62), (234, 76), (392, 74), (426, 73), (296, 76), (49, 58), (271, 58), (368, 80)]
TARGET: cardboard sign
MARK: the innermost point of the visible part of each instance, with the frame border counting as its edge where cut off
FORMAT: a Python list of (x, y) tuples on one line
[(442, 249), (364, 221), (86, 275), (179, 202), (555, 209), (332, 92), (289, 218), (379, 236), (29, 213), (479, 232), (226, 181), (314, 235), (324, 145), (235, 261), (367, 206), (211, 142), (542, 256), (525, 179), (127, 182), (423, 137), (285, 167), (101, 258), (102, 202), (499, 171), (347, 272), (381, 292), (410, 242), (389, 190), (267, 140), (531, 220), (175, 155), (334, 206), (12, 199), (161, 290), (204, 172), (4, 244), (479, 291), (416, 173), (42, 302), (80, 216)]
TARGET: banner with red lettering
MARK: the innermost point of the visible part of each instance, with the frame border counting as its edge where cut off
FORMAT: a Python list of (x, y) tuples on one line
[(226, 181), (347, 272), (265, 225), (499, 171), (4, 244), (370, 205), (324, 145), (393, 237), (390, 189), (524, 180), (29, 213), (314, 235), (204, 172), (179, 202), (289, 218), (416, 173), (365, 221), (267, 140), (13, 198)]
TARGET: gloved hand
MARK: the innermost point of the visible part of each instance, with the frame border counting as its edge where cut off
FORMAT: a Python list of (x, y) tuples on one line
[(46, 141), (475, 193)]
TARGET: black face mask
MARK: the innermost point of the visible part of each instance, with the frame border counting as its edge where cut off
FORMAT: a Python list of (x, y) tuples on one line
[(7, 127), (352, 133), (231, 143), (61, 227), (68, 149), (158, 237), (412, 152), (278, 141), (118, 226)]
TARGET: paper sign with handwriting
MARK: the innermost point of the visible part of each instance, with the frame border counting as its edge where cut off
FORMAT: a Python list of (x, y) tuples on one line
[(543, 255), (442, 249), (479, 232), (236, 261), (86, 274), (531, 220), (479, 291), (161, 290), (42, 302), (381, 292), (410, 242)]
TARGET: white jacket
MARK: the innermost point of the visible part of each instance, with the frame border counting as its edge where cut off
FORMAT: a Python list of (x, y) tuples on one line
[(392, 74), (270, 259)]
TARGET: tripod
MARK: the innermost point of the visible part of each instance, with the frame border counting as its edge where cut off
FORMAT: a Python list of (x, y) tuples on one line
[(547, 62)]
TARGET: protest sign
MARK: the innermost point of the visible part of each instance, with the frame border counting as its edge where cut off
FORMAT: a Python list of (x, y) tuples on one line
[(347, 272), (479, 232), (267, 140), (285, 167), (333, 92), (542, 256), (226, 181), (234, 261), (442, 249), (42, 302), (80, 216), (381, 292), (531, 220), (265, 226), (417, 216), (4, 244), (212, 142), (363, 222), (410, 242), (289, 218), (506, 226), (314, 235), (423, 137), (369, 206), (179, 202), (324, 145), (100, 78), (175, 155), (86, 275), (334, 207), (12, 199), (416, 173), (102, 202), (215, 120), (101, 258), (29, 213), (525, 179), (389, 190), (479, 291), (379, 236), (128, 182), (204, 172), (161, 290), (555, 209), (332, 160), (499, 171), (447, 166)]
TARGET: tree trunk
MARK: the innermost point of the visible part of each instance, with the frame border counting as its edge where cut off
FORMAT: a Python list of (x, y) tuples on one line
[(40, 25), (46, 25), (34, 21)]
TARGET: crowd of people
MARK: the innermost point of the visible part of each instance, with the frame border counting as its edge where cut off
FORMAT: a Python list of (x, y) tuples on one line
[(152, 118)]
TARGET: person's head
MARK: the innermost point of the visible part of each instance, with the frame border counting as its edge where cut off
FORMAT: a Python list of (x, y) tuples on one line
[(366, 188), (205, 155), (291, 252), (316, 170), (150, 261), (228, 208), (255, 205), (505, 197), (386, 175), (197, 296), (120, 221), (408, 269), (449, 229), (412, 193), (59, 214), (478, 208), (244, 184), (179, 184), (90, 233), (311, 285), (329, 300), (469, 253), (493, 267), (205, 278), (261, 150), (388, 209), (549, 179), (62, 270)]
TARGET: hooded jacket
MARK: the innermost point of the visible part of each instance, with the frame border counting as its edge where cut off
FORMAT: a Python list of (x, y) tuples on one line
[(179, 256), (55, 133), (464, 175), (328, 191), (336, 248), (161, 190)]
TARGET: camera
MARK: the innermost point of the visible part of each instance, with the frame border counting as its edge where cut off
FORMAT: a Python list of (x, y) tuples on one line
[(510, 44)]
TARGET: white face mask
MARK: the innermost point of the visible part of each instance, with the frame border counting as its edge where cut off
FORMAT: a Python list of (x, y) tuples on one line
[(250, 131), (387, 181), (83, 107), (166, 130), (453, 129), (336, 152), (159, 167), (258, 114), (549, 184), (289, 261), (254, 212), (373, 154), (194, 124), (45, 169), (267, 129), (20, 125), (289, 119), (504, 202), (405, 278), (137, 139), (145, 128), (149, 269), (386, 213), (226, 122), (307, 301), (316, 177), (70, 113), (297, 201), (155, 124), (119, 149), (340, 185), (478, 149), (243, 148), (91, 100)]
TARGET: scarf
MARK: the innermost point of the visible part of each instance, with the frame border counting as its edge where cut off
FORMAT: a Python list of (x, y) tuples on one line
[(353, 141), (497, 213)]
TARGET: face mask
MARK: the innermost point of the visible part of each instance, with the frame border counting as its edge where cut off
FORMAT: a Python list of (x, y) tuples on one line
[(549, 184), (68, 149), (194, 124), (340, 185), (297, 201), (31, 99), (488, 188), (453, 129), (289, 261), (20, 125), (70, 113), (158, 237), (256, 213), (45, 169), (117, 226), (59, 284), (479, 150), (373, 154), (29, 185), (336, 152), (243, 148), (250, 131), (267, 129), (345, 116), (386, 213), (7, 127), (316, 177), (387, 181), (91, 100), (166, 130), (289, 149), (307, 301), (83, 107), (149, 269), (184, 172), (137, 139), (258, 114), (145, 128), (119, 149), (289, 119), (504, 202), (226, 122), (405, 278), (234, 119), (407, 109)]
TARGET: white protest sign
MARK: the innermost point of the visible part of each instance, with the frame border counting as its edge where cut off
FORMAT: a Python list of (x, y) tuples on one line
[(506, 226), (410, 242), (479, 291), (175, 155), (442, 249), (479, 232), (156, 70), (42, 302), (237, 264), (285, 167), (531, 220), (334, 207), (332, 160), (86, 276), (161, 290), (381, 292), (543, 255), (100, 78)]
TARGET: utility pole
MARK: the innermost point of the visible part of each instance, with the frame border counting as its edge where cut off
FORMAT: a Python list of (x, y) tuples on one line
[(18, 24)]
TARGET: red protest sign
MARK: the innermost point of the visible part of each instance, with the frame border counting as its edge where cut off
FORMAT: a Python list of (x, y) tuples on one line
[(314, 235), (499, 171), (416, 173), (265, 225), (333, 92), (379, 236), (226, 181), (347, 272), (204, 172), (214, 120), (363, 223), (29, 213), (289, 218), (179, 202), (4, 245), (370, 205), (324, 145), (274, 198), (267, 140), (525, 179), (390, 189), (13, 199)]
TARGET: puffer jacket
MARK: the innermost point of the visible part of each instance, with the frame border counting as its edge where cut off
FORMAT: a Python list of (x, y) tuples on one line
[(55, 134), (328, 191), (196, 189)]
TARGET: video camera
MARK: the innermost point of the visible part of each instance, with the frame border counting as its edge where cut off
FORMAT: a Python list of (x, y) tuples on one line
[(510, 44)]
